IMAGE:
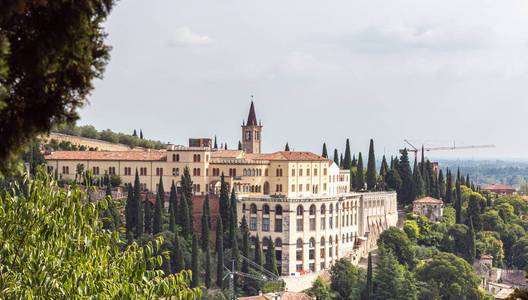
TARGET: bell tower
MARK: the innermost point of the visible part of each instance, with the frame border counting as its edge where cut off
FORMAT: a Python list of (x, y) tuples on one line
[(251, 132)]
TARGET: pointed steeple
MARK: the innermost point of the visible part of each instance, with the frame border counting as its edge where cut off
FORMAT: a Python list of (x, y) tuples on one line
[(252, 118)]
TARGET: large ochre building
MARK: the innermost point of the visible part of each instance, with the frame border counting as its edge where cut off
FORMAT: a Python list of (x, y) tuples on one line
[(300, 200)]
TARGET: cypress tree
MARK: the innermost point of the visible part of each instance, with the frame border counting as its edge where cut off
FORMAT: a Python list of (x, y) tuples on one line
[(468, 182), (347, 160), (195, 264), (205, 226), (370, 285), (111, 212), (108, 220), (371, 168), (471, 244), (336, 157), (219, 252), (325, 153), (215, 144), (354, 161), (186, 215), (422, 166), (225, 146), (134, 133), (384, 167), (137, 206), (140, 133), (178, 262), (239, 145), (458, 204), (271, 259), (287, 147), (173, 208), (418, 184), (187, 189), (352, 180), (405, 193), (359, 177), (233, 218), (147, 214), (258, 251), (129, 211), (245, 244), (208, 277), (224, 202), (158, 209), (341, 161), (441, 184), (448, 198)]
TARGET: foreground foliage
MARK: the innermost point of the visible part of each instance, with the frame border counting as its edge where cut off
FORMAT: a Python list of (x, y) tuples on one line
[(53, 246)]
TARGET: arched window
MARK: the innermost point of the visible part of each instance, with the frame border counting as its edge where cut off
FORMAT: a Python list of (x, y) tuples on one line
[(253, 241), (253, 209), (265, 209), (253, 172), (312, 243), (299, 243), (322, 251), (244, 172), (330, 247), (278, 243), (300, 210), (312, 210), (323, 209), (278, 210), (265, 242), (311, 252)]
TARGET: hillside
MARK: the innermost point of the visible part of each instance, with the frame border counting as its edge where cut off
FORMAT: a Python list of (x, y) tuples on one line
[(89, 143)]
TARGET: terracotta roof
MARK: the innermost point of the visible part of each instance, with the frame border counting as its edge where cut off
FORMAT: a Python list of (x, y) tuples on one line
[(428, 200), (486, 256), (227, 154), (108, 155), (495, 187), (287, 155), (252, 118)]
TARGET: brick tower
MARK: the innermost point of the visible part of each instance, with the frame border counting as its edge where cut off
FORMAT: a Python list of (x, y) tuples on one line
[(251, 132)]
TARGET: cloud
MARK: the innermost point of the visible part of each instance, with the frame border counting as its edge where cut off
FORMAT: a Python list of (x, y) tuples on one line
[(184, 36)]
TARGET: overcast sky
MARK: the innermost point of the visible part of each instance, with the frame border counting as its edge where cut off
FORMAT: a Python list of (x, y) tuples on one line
[(432, 72)]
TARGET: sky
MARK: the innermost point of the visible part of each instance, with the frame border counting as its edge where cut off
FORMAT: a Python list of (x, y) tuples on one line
[(433, 72)]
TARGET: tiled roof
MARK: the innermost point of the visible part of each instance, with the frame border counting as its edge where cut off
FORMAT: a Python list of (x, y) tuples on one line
[(252, 118), (495, 187), (287, 155), (486, 256), (227, 154), (108, 155), (428, 200)]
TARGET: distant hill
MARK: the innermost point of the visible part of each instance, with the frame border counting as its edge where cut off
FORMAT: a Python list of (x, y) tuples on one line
[(510, 173)]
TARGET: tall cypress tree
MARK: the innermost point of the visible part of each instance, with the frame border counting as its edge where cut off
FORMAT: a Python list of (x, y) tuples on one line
[(224, 202), (336, 157), (287, 147), (371, 168), (225, 146), (245, 244), (130, 215), (205, 227), (137, 206), (359, 177), (239, 145), (208, 277), (384, 166), (354, 161), (219, 252), (468, 181), (458, 204), (215, 144), (186, 215), (405, 193), (347, 160), (141, 133), (173, 208), (158, 209), (370, 286), (472, 251), (271, 259), (448, 198), (418, 184), (195, 263), (147, 214), (134, 133), (441, 185), (422, 166), (187, 189), (341, 161), (325, 152), (233, 222), (258, 251), (177, 260), (208, 210)]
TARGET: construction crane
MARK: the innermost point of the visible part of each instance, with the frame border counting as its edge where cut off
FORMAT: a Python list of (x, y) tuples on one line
[(454, 147), (265, 275)]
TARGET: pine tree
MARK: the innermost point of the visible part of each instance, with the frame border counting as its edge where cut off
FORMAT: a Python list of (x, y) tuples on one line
[(147, 214), (173, 207), (389, 277), (384, 167), (239, 145), (205, 226), (245, 244), (336, 157), (405, 193), (177, 260), (458, 203), (195, 263), (158, 209), (347, 160), (418, 184), (287, 147), (371, 168), (325, 153), (137, 206), (359, 177), (370, 285), (258, 251), (215, 144), (134, 133), (271, 259), (224, 202), (219, 252)]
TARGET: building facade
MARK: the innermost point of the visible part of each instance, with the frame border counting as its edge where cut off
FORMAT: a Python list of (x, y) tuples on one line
[(429, 207), (300, 200)]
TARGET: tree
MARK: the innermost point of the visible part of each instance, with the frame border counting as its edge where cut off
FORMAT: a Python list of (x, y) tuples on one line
[(347, 160), (344, 278), (396, 241), (177, 259), (441, 185), (341, 161), (173, 207), (418, 184), (50, 243), (137, 206), (450, 277), (371, 168), (319, 289), (325, 152), (287, 147), (225, 146), (140, 133), (224, 202), (336, 157), (158, 209), (134, 134), (448, 198), (195, 264), (215, 144), (205, 225), (389, 277), (458, 200), (471, 244), (359, 177), (130, 215), (49, 56), (370, 286), (185, 217), (239, 145), (258, 251), (405, 193), (187, 189), (208, 277), (245, 244), (271, 260), (111, 214), (233, 220), (383, 171), (393, 180), (147, 215), (219, 251)]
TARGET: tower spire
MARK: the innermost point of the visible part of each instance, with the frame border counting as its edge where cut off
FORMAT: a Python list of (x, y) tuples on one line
[(252, 118)]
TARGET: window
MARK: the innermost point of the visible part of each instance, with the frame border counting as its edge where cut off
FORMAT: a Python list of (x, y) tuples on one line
[(175, 171), (312, 224), (293, 188), (196, 158), (312, 210), (330, 222), (278, 210), (253, 209), (300, 224), (300, 172), (324, 171), (278, 243), (265, 243), (311, 266), (331, 209), (299, 253), (293, 172), (315, 172), (248, 135), (311, 252), (322, 249), (308, 187), (265, 224), (324, 186), (278, 225), (257, 135), (175, 157), (307, 172), (300, 210), (253, 223), (159, 171), (300, 187), (65, 170), (266, 209), (278, 172), (128, 171), (143, 171), (196, 172), (266, 172), (111, 170), (95, 170), (322, 223), (298, 267)]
